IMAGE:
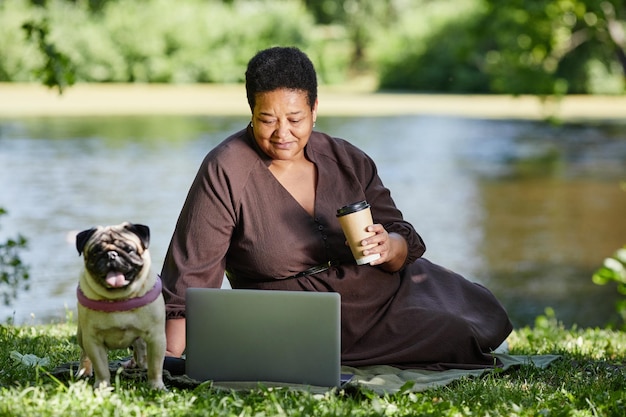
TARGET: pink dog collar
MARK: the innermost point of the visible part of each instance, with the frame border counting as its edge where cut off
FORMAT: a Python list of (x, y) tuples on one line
[(122, 305)]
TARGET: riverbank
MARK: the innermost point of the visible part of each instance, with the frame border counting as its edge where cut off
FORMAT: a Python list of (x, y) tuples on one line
[(33, 100)]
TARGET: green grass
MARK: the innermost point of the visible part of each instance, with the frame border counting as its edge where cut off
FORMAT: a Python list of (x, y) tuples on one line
[(590, 380)]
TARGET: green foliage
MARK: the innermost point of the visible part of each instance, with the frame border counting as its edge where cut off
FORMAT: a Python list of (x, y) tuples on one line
[(434, 48), (362, 21), (327, 11), (589, 380), (57, 69), (613, 269), (18, 57), (155, 41), (544, 47), (13, 272)]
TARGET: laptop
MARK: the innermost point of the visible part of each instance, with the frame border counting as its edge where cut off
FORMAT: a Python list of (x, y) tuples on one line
[(264, 335)]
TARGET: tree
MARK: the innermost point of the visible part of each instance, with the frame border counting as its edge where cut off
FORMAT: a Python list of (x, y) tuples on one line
[(549, 46), (360, 18), (57, 70), (543, 47)]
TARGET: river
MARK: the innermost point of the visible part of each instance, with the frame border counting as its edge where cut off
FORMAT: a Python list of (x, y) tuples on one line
[(527, 208)]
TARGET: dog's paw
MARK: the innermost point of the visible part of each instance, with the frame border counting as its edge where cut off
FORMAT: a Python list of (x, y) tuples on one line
[(85, 369), (128, 363), (157, 385), (102, 385)]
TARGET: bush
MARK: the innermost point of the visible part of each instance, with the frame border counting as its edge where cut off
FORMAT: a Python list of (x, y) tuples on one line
[(18, 57), (13, 273), (160, 41), (434, 49), (544, 47), (613, 269)]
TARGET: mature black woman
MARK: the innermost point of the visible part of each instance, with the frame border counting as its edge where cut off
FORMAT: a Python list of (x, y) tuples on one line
[(262, 211)]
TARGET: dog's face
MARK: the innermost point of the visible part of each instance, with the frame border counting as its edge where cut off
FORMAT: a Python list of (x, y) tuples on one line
[(115, 256)]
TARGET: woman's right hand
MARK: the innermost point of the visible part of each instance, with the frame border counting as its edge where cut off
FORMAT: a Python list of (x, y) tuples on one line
[(391, 247)]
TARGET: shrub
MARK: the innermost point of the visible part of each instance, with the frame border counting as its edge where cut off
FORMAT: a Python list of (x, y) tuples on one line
[(161, 41), (433, 48), (613, 269), (13, 272), (18, 57)]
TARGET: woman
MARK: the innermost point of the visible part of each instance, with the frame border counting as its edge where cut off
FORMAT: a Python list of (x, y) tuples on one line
[(262, 209)]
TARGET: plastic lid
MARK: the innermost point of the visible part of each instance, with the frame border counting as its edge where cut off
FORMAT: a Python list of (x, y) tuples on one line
[(352, 208)]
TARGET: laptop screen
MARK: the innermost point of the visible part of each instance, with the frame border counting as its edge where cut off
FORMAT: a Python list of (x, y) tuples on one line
[(263, 335)]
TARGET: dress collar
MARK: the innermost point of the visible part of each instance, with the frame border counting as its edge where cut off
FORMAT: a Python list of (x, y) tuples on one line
[(121, 305)]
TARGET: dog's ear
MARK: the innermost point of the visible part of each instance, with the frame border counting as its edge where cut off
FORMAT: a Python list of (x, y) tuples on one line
[(142, 231), (82, 238)]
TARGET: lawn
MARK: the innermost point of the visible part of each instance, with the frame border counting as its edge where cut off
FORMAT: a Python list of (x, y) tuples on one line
[(589, 380)]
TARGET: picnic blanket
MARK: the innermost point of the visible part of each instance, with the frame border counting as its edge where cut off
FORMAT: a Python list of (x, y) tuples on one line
[(388, 379), (382, 379)]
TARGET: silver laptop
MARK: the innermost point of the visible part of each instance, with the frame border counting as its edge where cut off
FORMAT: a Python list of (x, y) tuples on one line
[(263, 335)]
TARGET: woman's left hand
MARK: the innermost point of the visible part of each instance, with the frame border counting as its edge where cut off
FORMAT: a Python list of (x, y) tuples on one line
[(392, 248)]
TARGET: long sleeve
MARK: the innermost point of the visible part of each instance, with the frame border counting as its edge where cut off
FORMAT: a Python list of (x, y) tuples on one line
[(197, 253)]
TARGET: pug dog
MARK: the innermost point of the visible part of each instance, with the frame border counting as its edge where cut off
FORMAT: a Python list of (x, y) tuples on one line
[(119, 302)]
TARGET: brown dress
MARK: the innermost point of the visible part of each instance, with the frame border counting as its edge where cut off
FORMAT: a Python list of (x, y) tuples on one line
[(239, 220)]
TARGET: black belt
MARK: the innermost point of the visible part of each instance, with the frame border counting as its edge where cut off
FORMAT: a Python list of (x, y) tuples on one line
[(314, 270)]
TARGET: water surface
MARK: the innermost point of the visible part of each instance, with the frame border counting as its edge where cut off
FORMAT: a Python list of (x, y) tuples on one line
[(528, 209)]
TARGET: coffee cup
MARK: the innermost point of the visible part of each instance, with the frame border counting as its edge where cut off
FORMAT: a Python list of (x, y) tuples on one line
[(354, 220)]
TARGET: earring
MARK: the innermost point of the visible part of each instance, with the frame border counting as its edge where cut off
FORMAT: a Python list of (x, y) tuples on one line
[(313, 123), (251, 125)]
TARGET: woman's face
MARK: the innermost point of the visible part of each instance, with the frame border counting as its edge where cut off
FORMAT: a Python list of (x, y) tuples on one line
[(282, 121)]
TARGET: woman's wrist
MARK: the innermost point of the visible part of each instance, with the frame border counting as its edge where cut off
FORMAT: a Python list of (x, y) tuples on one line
[(397, 253)]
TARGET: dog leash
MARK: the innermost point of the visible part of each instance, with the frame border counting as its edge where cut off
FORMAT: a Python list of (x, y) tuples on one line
[(111, 306)]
